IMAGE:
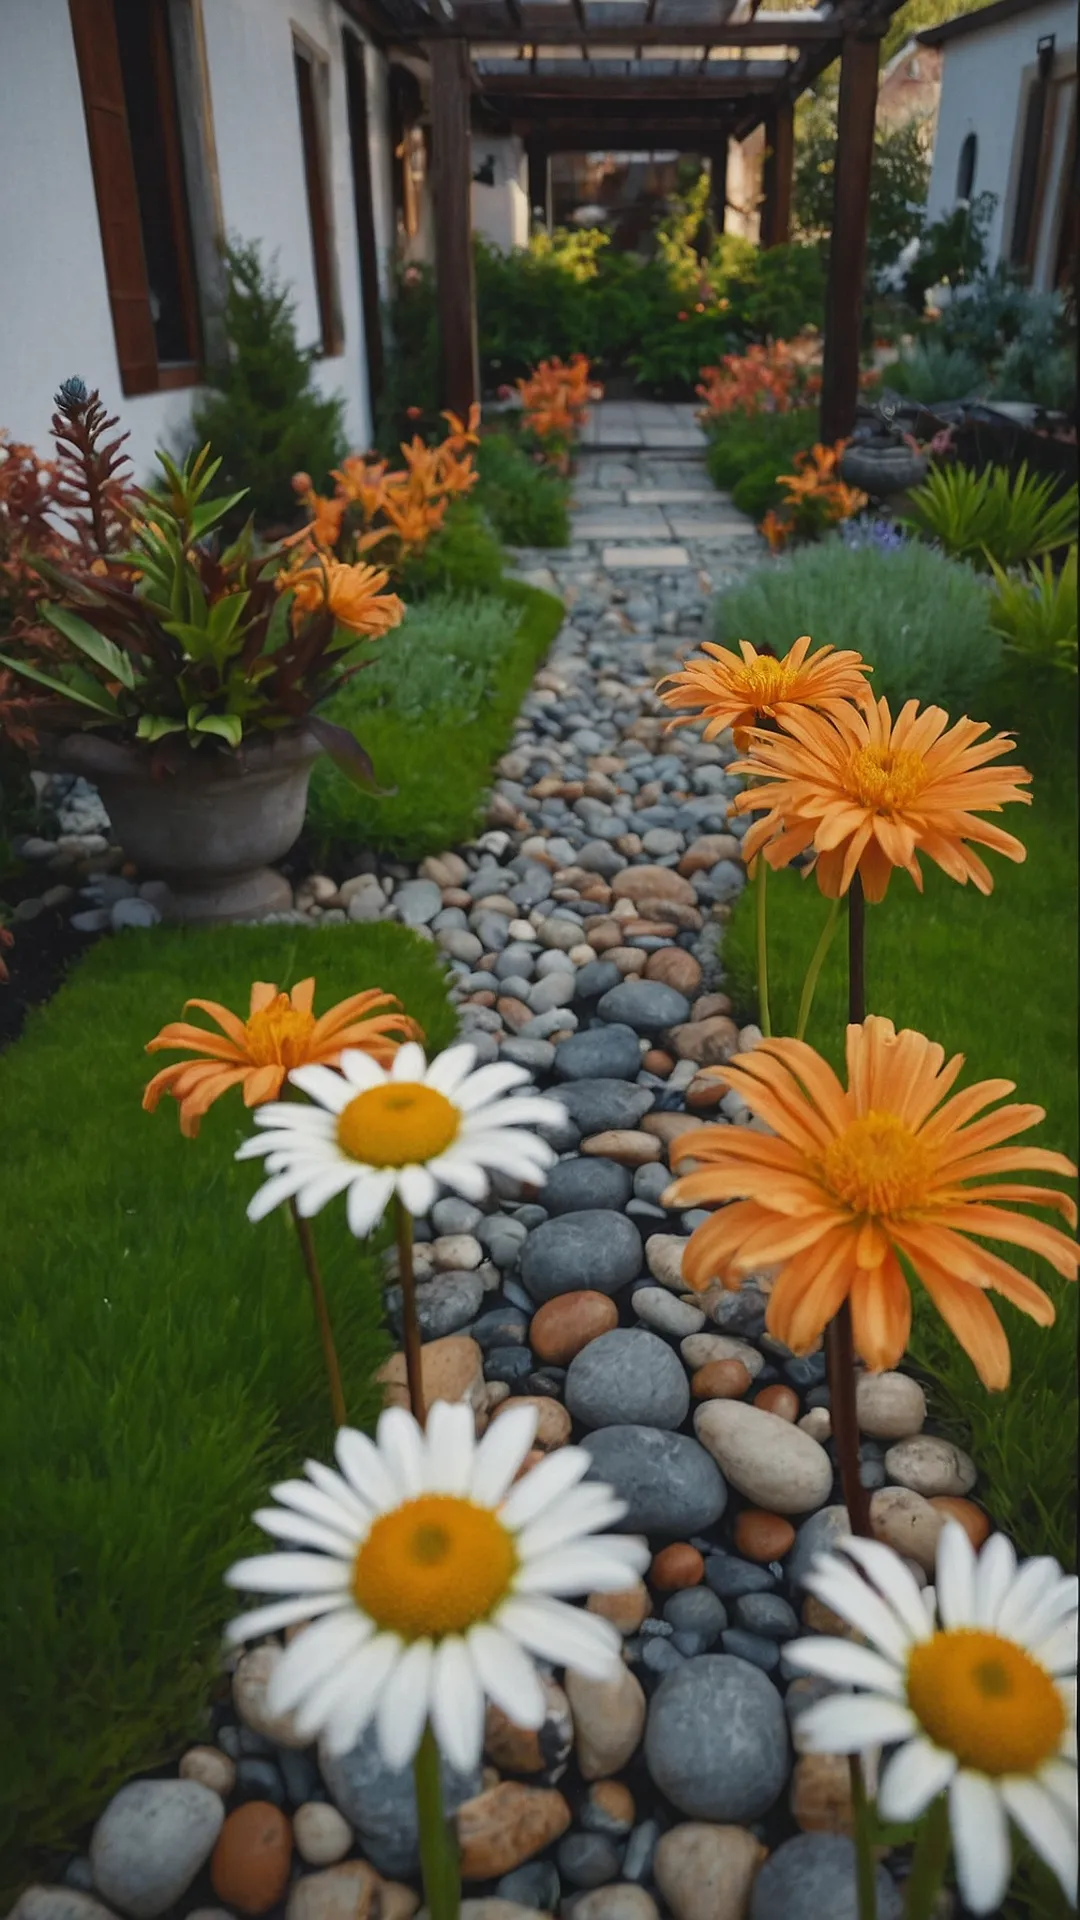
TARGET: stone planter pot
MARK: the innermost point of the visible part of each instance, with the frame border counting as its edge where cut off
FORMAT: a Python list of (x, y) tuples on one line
[(210, 829), (881, 470)]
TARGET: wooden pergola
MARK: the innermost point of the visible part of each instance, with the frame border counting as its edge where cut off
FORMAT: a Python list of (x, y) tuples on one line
[(687, 75)]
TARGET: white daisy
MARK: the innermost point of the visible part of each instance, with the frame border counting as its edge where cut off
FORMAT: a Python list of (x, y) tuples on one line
[(374, 1132), (433, 1579), (977, 1684)]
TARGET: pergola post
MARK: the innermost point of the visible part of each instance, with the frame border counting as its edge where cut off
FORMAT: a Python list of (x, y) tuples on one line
[(847, 250), (776, 174), (454, 272), (538, 161), (718, 159)]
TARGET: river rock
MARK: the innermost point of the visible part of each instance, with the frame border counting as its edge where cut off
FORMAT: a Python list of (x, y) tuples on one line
[(661, 1310), (814, 1875), (670, 1484), (576, 1184), (544, 1749), (58, 1903), (452, 1369), (323, 1836), (608, 1718), (211, 1768), (587, 1859), (908, 1523), (771, 1462), (416, 902), (628, 1376), (930, 1466), (563, 1326), (701, 1349), (596, 1249), (600, 1053), (647, 1006), (249, 1867), (151, 1841), (890, 1406), (507, 1824), (249, 1687), (705, 1872), (350, 1891), (652, 883), (817, 1535), (595, 1106), (621, 1901), (716, 1741), (380, 1805)]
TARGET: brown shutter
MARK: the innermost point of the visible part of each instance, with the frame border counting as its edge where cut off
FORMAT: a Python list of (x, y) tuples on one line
[(93, 27)]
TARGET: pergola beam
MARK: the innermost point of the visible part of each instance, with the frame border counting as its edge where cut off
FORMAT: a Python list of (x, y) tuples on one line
[(810, 31), (650, 95), (452, 176), (777, 173)]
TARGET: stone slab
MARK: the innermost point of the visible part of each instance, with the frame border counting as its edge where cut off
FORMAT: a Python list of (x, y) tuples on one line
[(629, 523), (640, 557), (670, 496), (672, 439), (701, 526)]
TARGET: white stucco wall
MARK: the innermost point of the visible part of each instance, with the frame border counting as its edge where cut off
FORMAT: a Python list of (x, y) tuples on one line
[(501, 213), (984, 86), (55, 318)]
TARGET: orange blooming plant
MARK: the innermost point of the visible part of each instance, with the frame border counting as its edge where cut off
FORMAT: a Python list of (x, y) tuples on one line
[(396, 512), (555, 402), (815, 498)]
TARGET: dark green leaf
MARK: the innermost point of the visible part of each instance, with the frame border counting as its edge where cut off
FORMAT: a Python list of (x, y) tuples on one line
[(347, 755), (89, 641)]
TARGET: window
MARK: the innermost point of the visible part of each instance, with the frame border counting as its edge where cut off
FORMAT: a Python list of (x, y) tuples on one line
[(307, 88), (124, 55), (965, 170)]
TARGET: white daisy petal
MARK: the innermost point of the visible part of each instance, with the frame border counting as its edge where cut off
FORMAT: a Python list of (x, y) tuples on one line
[(508, 1153), (336, 1490), (457, 1704), (447, 1072), (402, 1446), (543, 1485), (409, 1063), (994, 1575), (315, 1712), (302, 1531), (527, 1110), (335, 1507), (281, 1187), (893, 1581), (846, 1663), (417, 1190), (361, 1071), (507, 1675), (404, 1704), (487, 1084), (980, 1838), (582, 1510), (313, 1655), (463, 1175), (1057, 1653), (1043, 1823), (1035, 1580), (1059, 1779), (369, 1196), (912, 1778), (282, 1613), (1055, 1604), (293, 1118), (361, 1684), (290, 1573), (955, 1577), (500, 1454), (330, 1089), (849, 1723), (365, 1469), (450, 1447), (841, 1589), (567, 1636), (323, 1186), (595, 1565)]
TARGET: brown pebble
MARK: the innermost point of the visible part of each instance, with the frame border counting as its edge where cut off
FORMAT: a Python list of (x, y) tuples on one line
[(975, 1522), (615, 1802), (677, 1566), (674, 967), (624, 1144), (249, 1867), (656, 1060), (483, 997), (821, 1793), (532, 1459), (552, 1422), (512, 1012), (783, 1401), (628, 959), (821, 1619), (705, 1093), (456, 897), (603, 934), (709, 1005), (720, 1380), (763, 1536), (563, 1326), (625, 1609)]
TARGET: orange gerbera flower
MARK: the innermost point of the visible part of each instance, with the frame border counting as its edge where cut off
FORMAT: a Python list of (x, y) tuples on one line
[(354, 595), (736, 692), (847, 1184), (280, 1032), (868, 794)]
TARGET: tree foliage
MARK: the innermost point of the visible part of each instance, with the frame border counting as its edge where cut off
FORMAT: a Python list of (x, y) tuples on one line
[(898, 183)]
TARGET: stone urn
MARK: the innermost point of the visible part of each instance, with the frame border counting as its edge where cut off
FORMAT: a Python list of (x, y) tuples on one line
[(209, 827), (879, 461)]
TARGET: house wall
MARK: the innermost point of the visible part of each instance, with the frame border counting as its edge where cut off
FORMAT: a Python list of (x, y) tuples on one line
[(910, 88), (501, 213), (984, 91), (55, 318)]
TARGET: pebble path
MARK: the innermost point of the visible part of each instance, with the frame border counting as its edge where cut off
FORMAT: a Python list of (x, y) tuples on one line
[(583, 929)]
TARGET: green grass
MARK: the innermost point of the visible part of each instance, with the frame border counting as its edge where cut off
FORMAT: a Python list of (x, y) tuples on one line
[(527, 504), (434, 712), (994, 979), (159, 1367)]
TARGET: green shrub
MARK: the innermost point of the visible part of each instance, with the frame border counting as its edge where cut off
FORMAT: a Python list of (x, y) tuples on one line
[(899, 177), (758, 490), (932, 372), (740, 443), (264, 414), (919, 619), (464, 557), (471, 663), (159, 1364), (994, 311), (527, 504), (952, 249), (993, 515), (1036, 615)]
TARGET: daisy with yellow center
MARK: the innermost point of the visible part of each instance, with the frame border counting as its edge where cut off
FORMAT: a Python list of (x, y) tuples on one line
[(848, 1183), (973, 1683), (433, 1579), (866, 794), (280, 1032), (737, 690), (376, 1135)]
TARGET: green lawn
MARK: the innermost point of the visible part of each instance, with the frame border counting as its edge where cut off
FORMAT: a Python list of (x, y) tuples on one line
[(994, 979), (434, 711), (158, 1359)]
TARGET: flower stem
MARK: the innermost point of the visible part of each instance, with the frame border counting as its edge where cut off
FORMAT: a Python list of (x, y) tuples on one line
[(322, 1315), (438, 1849), (931, 1859), (813, 971), (763, 951), (414, 1373), (864, 1852), (840, 1365), (856, 952)]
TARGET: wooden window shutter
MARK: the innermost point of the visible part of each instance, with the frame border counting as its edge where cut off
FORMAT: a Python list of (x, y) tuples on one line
[(94, 30)]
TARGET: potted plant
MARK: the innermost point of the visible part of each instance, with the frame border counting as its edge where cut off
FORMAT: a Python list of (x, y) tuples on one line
[(190, 672)]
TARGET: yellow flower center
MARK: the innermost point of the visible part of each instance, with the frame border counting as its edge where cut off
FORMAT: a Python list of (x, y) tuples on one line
[(886, 781), (278, 1035), (877, 1165), (985, 1700), (436, 1565), (767, 681), (399, 1125)]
